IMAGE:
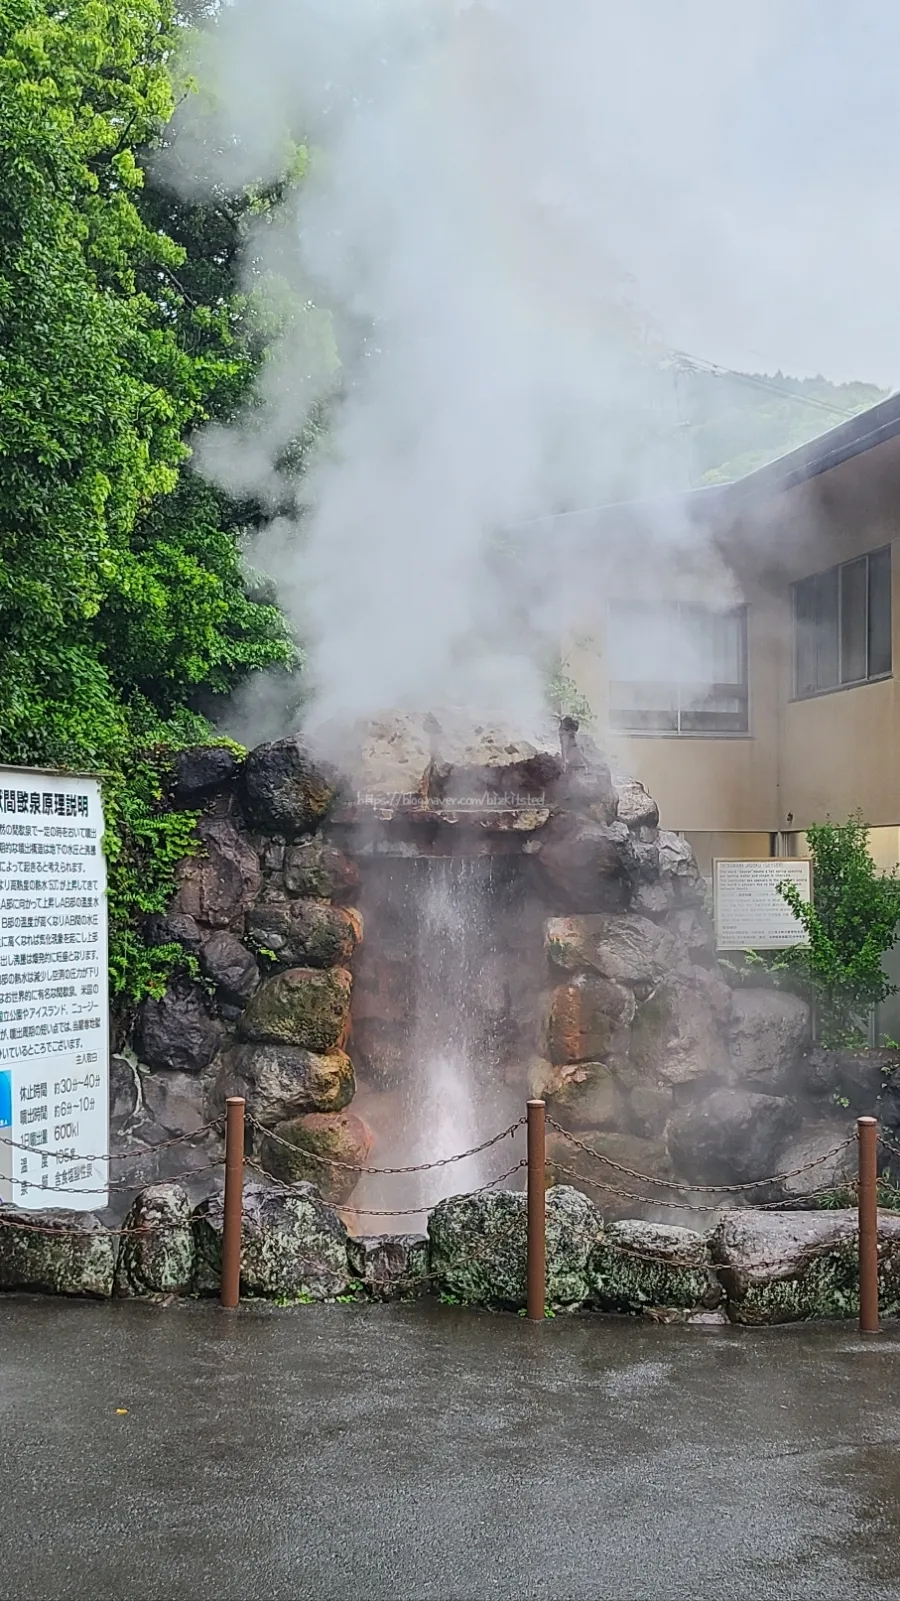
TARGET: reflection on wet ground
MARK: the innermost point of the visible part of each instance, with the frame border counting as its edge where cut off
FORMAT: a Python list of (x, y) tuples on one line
[(429, 1453)]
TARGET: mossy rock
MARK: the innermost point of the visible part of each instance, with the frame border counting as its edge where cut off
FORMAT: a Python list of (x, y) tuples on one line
[(284, 791), (638, 1265), (302, 1149), (304, 1006), (478, 1246), (160, 1261), (56, 1252), (319, 871), (293, 1246), (283, 1081), (305, 933), (785, 1267)]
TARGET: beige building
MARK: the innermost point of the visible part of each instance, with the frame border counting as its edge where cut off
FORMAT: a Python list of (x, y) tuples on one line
[(743, 667)]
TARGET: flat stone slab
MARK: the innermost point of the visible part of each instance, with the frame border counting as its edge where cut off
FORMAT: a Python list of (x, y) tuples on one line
[(784, 1267)]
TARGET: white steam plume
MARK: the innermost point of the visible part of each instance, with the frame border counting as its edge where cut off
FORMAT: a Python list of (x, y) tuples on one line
[(508, 194)]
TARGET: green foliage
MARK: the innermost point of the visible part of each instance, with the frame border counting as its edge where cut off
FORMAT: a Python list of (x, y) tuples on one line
[(737, 422), (565, 698), (887, 1192), (851, 922), (143, 844), (125, 607)]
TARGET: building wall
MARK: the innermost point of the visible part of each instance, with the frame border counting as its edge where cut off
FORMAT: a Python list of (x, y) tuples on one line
[(805, 759), (702, 782)]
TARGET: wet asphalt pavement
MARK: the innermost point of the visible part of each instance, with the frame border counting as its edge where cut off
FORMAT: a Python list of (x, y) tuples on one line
[(350, 1453)]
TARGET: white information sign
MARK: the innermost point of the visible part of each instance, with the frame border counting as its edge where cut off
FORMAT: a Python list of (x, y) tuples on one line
[(54, 1001), (750, 913)]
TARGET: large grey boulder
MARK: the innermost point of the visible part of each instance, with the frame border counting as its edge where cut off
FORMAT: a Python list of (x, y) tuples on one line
[(293, 1246), (820, 1156), (327, 1149), (679, 1031), (305, 933), (588, 866), (730, 1136), (478, 1246), (783, 1267), (638, 1161), (177, 1031), (693, 931), (867, 1080), (284, 791), (390, 1267), (218, 886), (201, 770), (586, 1016), (157, 1255), (57, 1252), (678, 870), (627, 949), (175, 1103), (635, 805), (233, 969), (281, 1081), (638, 1265), (304, 1006), (767, 1032), (585, 1095), (318, 871)]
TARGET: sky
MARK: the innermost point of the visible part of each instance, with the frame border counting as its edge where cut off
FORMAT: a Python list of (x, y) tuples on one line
[(798, 264)]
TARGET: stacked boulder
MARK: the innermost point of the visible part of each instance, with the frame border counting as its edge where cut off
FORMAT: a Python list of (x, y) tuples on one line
[(603, 991), (752, 1267), (262, 1007)]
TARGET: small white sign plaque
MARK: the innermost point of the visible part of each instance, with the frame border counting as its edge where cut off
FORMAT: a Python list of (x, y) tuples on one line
[(750, 913), (54, 1000)]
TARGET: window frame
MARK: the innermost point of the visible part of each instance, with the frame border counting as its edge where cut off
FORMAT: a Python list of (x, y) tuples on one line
[(798, 694), (742, 688)]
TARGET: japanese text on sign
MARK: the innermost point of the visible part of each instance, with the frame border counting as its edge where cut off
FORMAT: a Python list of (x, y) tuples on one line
[(54, 1004), (750, 913)]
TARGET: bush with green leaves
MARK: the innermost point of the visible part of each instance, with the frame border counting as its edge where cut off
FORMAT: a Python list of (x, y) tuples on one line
[(125, 607), (850, 923)]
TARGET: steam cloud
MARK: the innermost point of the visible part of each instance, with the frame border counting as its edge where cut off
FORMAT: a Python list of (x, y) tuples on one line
[(513, 207)]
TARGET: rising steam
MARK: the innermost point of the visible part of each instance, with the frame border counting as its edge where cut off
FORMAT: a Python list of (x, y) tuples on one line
[(513, 209)]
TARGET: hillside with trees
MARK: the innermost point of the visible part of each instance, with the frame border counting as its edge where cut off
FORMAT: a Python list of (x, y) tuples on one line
[(736, 422)]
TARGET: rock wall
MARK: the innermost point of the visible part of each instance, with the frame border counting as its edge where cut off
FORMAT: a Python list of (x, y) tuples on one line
[(601, 990)]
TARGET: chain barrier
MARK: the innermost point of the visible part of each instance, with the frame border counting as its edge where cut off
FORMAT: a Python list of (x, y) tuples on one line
[(889, 1144), (385, 1211), (696, 1189), (60, 1230), (126, 1156), (682, 1206), (418, 1167), (119, 1186)]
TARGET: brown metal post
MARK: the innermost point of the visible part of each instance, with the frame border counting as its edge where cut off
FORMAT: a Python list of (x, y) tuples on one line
[(867, 1196), (230, 1291), (536, 1282)]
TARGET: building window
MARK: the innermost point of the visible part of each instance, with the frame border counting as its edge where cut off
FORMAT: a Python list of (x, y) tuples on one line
[(842, 625), (677, 669)]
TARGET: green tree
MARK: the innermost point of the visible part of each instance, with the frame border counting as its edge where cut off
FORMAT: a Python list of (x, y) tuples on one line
[(124, 604), (850, 923)]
